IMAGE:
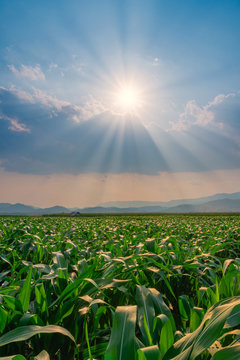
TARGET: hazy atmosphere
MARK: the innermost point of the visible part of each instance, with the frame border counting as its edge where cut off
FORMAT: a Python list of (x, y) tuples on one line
[(118, 100)]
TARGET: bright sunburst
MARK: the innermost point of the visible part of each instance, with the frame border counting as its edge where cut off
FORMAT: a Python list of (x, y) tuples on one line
[(128, 99)]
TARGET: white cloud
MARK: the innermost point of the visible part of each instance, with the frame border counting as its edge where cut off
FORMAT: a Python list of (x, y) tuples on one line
[(38, 96), (15, 124), (29, 72), (21, 94), (91, 108), (220, 99), (48, 100), (77, 113), (194, 114), (205, 115)]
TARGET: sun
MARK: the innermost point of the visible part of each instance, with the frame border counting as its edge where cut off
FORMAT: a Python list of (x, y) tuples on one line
[(128, 99)]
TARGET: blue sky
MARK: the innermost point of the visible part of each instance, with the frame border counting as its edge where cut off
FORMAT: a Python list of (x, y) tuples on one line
[(63, 65)]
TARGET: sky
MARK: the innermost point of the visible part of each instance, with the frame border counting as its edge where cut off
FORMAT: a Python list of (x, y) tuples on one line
[(118, 100)]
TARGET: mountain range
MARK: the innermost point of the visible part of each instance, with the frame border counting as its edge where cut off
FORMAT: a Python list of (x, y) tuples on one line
[(228, 203), (196, 201)]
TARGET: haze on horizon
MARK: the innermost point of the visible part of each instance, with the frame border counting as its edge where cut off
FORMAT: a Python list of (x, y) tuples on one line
[(118, 100)]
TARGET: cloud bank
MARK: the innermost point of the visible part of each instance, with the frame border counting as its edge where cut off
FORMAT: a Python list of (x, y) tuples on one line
[(44, 135), (221, 113)]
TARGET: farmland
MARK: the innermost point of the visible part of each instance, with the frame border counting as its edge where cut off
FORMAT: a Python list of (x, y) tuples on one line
[(130, 287)]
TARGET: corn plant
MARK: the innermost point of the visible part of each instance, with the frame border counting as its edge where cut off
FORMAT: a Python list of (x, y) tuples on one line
[(130, 287)]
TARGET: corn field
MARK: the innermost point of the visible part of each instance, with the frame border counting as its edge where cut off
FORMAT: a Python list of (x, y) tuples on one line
[(120, 287)]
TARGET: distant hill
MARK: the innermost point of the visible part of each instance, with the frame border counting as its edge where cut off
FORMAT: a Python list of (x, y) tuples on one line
[(16, 209), (21, 209), (55, 210), (223, 205), (217, 203), (195, 201)]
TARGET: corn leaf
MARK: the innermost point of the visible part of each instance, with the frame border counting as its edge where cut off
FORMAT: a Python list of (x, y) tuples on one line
[(25, 293), (122, 341), (146, 313), (23, 333), (43, 355), (149, 353), (228, 353)]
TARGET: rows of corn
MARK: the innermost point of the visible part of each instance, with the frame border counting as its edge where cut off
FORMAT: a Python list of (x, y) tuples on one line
[(130, 287)]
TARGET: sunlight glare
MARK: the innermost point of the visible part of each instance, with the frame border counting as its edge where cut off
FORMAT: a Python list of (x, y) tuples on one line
[(128, 99)]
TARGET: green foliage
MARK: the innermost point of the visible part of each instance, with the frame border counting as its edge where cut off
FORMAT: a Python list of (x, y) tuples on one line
[(25, 332), (122, 342), (129, 287)]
